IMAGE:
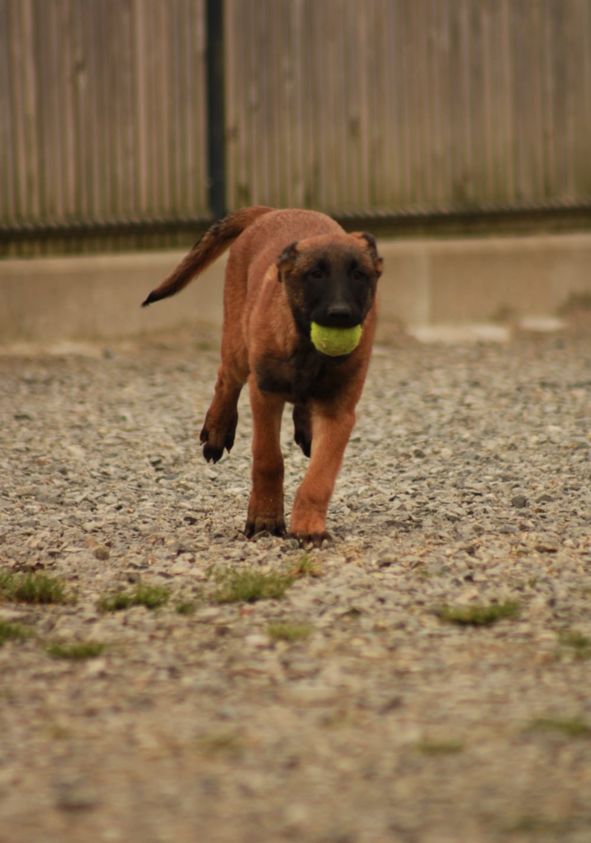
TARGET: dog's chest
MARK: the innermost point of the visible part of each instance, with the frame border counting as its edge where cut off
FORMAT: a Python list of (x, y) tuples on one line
[(306, 376)]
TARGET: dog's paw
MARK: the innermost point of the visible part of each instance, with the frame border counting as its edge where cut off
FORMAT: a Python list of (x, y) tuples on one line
[(311, 539), (275, 526), (212, 454), (214, 441)]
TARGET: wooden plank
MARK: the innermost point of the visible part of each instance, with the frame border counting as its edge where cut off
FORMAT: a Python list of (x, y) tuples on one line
[(7, 167), (234, 98), (19, 50), (583, 137), (396, 113), (297, 185), (439, 85), (576, 106)]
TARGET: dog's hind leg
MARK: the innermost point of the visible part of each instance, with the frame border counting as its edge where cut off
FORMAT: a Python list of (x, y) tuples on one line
[(302, 428), (265, 508)]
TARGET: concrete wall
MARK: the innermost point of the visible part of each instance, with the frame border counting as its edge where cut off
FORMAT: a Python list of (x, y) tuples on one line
[(99, 297), (425, 283), (451, 282)]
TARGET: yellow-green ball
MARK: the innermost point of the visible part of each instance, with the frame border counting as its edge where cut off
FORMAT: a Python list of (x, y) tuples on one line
[(335, 342)]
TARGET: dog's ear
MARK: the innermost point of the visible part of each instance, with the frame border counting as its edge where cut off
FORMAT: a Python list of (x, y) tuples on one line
[(372, 247), (286, 260)]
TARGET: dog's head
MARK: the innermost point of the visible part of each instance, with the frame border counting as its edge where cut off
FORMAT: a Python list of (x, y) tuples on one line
[(330, 280)]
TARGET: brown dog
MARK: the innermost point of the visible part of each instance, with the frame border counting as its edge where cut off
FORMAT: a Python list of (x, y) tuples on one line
[(286, 270)]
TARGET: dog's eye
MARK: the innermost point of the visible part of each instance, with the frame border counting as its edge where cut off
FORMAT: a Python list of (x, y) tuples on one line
[(358, 275), (317, 273)]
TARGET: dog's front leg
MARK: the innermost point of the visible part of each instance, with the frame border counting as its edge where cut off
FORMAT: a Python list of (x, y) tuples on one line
[(265, 508), (331, 429)]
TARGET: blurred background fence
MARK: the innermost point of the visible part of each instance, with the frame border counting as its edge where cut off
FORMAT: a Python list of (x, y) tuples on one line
[(119, 127)]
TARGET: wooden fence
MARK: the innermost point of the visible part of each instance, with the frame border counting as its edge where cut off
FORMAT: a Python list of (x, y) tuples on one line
[(358, 107), (102, 115), (406, 106)]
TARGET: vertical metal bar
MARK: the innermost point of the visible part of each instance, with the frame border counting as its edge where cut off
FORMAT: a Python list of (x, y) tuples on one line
[(216, 112)]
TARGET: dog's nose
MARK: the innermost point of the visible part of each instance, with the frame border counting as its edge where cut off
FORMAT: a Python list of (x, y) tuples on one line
[(339, 314)]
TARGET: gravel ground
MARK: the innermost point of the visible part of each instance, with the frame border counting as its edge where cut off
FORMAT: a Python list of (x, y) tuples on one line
[(467, 482)]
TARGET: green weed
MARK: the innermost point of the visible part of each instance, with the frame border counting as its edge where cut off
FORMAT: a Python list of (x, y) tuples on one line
[(580, 644), (306, 567), (572, 727), (250, 585), (32, 588), (556, 827), (575, 302), (287, 631), (478, 615), (77, 651), (224, 744), (12, 632), (439, 747), (150, 596), (185, 607)]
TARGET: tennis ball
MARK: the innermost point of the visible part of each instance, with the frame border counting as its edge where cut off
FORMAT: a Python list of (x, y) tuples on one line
[(335, 342)]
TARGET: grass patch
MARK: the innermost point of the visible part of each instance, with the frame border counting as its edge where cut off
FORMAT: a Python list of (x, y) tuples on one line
[(306, 567), (478, 615), (571, 727), (575, 302), (577, 642), (150, 596), (542, 826), (77, 651), (289, 631), (32, 588), (6, 580), (439, 747), (223, 744), (12, 632), (250, 585), (185, 607)]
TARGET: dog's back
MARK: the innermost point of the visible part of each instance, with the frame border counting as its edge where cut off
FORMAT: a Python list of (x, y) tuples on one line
[(260, 245)]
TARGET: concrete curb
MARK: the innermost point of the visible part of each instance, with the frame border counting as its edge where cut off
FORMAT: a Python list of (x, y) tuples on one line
[(425, 283)]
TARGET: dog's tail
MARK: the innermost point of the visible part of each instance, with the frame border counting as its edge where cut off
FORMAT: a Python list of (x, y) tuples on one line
[(214, 242)]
